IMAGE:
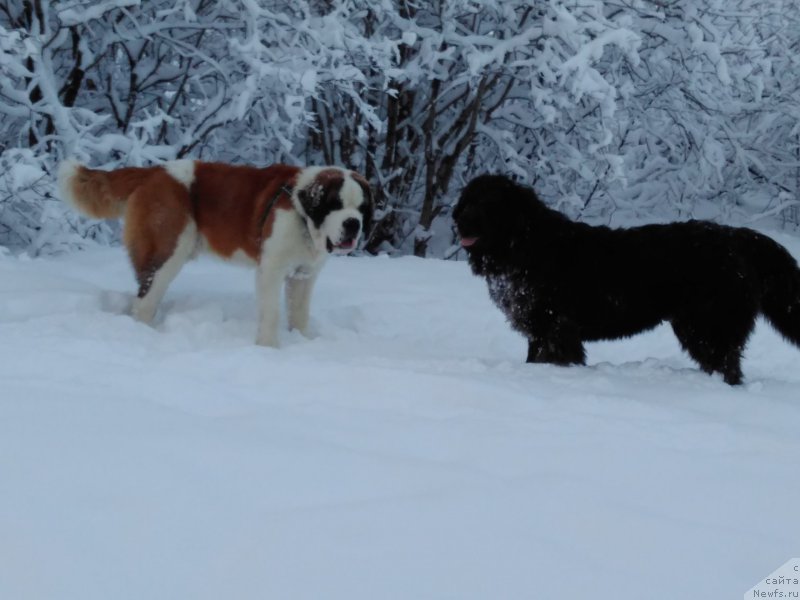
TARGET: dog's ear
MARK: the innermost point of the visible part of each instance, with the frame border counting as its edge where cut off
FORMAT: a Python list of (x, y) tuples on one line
[(310, 197), (311, 200), (367, 207), (321, 196)]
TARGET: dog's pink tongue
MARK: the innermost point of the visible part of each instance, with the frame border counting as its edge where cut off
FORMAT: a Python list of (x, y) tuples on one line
[(468, 241)]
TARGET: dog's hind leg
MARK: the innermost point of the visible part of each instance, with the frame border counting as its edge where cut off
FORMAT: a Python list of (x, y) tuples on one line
[(160, 236), (716, 342), (154, 274)]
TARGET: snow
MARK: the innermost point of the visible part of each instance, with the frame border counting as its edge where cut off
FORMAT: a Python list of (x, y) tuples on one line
[(406, 451)]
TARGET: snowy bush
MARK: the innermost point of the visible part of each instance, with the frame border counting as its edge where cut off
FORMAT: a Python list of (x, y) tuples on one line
[(31, 217), (708, 123), (616, 111)]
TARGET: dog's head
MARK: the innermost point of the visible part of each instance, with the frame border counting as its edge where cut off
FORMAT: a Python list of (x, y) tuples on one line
[(336, 205), (486, 210)]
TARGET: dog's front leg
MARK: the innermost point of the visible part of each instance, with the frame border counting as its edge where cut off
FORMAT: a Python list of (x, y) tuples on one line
[(298, 300), (270, 279), (563, 350), (553, 339)]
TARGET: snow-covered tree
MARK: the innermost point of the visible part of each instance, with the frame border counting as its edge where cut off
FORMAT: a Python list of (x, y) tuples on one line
[(461, 86), (616, 110), (708, 120)]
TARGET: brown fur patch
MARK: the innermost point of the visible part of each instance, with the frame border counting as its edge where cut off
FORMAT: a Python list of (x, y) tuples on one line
[(229, 203), (327, 177), (157, 212)]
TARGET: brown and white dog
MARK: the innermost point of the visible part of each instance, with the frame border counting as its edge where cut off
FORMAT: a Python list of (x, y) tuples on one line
[(284, 219)]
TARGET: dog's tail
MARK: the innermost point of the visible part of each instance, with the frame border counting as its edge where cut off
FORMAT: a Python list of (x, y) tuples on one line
[(96, 193), (780, 285)]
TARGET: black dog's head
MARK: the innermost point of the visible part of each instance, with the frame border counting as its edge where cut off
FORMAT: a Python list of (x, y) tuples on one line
[(488, 211)]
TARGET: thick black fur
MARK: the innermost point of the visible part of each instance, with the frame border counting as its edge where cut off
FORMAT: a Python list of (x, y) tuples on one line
[(562, 283)]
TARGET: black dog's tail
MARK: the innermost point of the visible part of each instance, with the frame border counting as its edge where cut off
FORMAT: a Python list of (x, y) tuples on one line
[(780, 285)]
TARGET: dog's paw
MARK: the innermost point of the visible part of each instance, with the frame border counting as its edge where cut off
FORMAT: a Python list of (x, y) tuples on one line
[(267, 340), (143, 312)]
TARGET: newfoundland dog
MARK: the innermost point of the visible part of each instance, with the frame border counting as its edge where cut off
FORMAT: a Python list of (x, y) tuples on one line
[(562, 283)]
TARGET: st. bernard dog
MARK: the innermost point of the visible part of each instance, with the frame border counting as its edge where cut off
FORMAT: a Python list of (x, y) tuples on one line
[(285, 220)]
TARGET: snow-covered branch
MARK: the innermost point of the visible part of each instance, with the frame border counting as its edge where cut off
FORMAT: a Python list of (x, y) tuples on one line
[(616, 110)]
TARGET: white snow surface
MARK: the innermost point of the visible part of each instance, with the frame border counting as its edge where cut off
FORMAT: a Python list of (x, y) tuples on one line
[(405, 451)]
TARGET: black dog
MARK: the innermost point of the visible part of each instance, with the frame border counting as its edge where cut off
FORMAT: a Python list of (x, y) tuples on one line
[(562, 283)]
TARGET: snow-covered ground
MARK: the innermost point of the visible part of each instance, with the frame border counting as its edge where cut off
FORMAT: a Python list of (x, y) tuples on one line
[(404, 452)]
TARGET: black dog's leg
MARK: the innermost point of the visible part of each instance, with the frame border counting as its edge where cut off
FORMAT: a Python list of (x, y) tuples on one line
[(558, 344), (716, 342), (545, 351)]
